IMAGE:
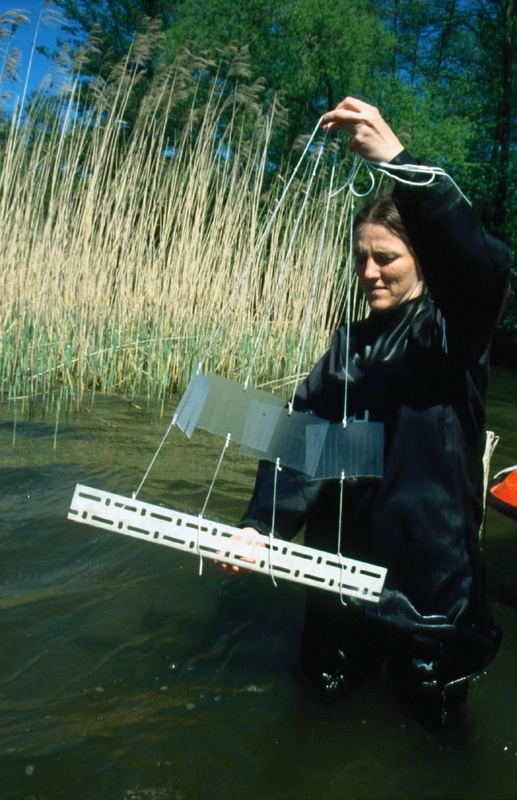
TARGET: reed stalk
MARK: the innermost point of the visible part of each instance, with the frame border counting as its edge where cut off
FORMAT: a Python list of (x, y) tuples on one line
[(121, 250)]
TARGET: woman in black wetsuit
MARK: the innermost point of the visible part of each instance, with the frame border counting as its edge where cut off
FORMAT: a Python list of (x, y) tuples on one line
[(435, 284)]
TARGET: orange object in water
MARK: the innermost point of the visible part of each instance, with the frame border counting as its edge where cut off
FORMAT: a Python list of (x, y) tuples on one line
[(507, 489), (502, 492)]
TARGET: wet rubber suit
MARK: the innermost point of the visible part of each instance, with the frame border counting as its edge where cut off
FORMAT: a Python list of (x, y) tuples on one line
[(422, 369)]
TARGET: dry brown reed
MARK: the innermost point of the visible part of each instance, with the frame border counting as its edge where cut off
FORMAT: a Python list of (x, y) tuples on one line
[(121, 249)]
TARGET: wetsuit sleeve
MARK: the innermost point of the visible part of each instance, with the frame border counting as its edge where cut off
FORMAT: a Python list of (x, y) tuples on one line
[(293, 497), (466, 270)]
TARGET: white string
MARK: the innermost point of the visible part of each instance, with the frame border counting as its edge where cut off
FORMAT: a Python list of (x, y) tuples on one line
[(348, 307), (491, 442), (349, 184), (308, 317), (235, 292), (283, 267), (164, 439), (200, 516), (423, 169), (392, 170), (278, 469), (257, 248), (148, 470), (340, 527)]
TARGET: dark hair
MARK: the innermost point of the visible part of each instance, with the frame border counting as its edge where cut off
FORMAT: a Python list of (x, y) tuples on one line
[(382, 211)]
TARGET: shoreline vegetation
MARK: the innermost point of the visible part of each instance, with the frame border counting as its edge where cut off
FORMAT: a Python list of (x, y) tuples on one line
[(121, 248), (124, 243)]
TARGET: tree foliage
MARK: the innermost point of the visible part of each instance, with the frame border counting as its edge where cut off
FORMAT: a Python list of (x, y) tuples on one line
[(114, 24), (443, 71), (311, 52)]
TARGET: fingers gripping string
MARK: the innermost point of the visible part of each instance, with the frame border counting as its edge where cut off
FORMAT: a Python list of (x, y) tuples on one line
[(201, 515)]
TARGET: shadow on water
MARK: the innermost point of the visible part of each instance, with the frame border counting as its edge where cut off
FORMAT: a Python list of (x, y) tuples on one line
[(124, 674)]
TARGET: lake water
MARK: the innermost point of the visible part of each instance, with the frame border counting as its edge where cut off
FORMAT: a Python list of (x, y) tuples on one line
[(124, 674)]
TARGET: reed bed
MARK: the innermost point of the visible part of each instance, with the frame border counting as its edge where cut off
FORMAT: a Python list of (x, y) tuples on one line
[(130, 257)]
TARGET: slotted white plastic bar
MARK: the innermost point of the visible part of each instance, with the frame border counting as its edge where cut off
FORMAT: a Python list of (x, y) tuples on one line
[(201, 536)]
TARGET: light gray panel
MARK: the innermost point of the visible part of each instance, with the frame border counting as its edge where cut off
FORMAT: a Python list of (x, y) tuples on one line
[(191, 404), (297, 441), (227, 406)]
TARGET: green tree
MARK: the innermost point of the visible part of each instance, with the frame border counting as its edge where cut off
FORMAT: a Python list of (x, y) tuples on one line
[(494, 26), (312, 52), (460, 58), (110, 37), (442, 71), (115, 23)]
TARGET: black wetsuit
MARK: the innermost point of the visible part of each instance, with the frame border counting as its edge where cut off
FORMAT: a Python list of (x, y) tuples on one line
[(422, 369)]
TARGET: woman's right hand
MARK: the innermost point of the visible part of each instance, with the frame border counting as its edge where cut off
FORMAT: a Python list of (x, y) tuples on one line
[(249, 541)]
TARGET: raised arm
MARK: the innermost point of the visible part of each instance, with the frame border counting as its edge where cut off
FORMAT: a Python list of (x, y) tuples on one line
[(466, 270)]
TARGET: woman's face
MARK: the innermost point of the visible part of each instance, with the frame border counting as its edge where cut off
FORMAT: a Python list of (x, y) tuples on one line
[(387, 269)]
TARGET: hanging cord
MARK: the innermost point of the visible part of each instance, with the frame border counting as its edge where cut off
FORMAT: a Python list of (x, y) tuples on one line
[(356, 164), (148, 470), (349, 184), (339, 532), (278, 469), (234, 294), (491, 442), (257, 249), (200, 516), (348, 306), (395, 172), (392, 170), (308, 317), (283, 267)]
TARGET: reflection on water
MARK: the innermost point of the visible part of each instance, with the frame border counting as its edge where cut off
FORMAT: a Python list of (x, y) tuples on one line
[(124, 674)]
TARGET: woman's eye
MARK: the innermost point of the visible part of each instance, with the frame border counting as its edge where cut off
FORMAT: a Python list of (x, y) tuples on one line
[(385, 259)]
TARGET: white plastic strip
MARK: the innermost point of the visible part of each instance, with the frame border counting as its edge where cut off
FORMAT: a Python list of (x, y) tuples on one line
[(272, 557)]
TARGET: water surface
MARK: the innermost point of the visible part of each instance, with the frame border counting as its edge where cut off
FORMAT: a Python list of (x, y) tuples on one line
[(124, 674)]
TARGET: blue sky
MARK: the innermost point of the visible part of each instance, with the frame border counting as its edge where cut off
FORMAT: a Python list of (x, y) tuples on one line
[(46, 34)]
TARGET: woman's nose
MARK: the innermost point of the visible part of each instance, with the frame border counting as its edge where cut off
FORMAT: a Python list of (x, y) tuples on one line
[(371, 269)]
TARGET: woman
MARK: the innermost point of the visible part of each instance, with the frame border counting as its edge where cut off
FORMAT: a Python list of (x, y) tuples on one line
[(419, 364)]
